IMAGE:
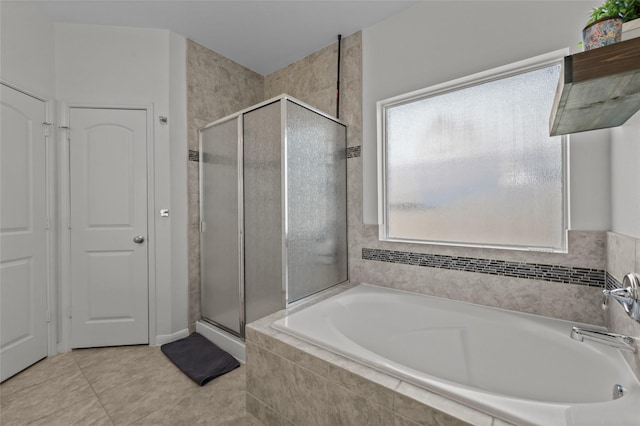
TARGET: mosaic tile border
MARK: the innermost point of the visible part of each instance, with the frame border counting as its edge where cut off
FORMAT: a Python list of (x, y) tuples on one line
[(611, 282), (194, 155), (532, 271), (354, 151)]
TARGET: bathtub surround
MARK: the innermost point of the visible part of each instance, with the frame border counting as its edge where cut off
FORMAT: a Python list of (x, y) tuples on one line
[(553, 273), (473, 354), (565, 286), (623, 256), (291, 382), (216, 87)]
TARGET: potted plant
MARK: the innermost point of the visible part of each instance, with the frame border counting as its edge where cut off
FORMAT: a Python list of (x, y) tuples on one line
[(631, 22), (605, 25)]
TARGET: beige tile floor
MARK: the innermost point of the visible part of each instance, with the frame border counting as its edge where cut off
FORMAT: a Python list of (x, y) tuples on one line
[(129, 385)]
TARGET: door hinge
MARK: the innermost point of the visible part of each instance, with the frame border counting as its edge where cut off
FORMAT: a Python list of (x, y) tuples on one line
[(69, 311), (46, 128), (48, 316), (47, 223), (202, 226)]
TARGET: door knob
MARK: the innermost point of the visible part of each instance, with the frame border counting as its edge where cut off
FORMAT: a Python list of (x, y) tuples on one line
[(139, 239)]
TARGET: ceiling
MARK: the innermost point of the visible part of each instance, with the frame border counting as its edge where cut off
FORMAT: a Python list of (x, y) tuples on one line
[(261, 35)]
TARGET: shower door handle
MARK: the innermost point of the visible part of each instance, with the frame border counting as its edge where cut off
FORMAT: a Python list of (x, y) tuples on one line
[(138, 239)]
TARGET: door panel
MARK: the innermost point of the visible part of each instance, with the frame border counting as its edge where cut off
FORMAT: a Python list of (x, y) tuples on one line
[(109, 288), (219, 243), (23, 235)]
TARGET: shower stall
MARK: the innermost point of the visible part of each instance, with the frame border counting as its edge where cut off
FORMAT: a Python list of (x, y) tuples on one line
[(273, 210)]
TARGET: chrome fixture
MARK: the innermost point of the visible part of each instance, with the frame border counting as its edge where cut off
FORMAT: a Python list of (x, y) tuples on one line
[(619, 341), (627, 295), (618, 391)]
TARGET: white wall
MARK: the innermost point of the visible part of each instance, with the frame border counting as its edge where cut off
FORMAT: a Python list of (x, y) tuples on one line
[(179, 157), (101, 65), (625, 172), (26, 49), (434, 42)]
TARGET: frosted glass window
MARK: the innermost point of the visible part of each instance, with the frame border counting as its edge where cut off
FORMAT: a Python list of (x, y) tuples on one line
[(476, 165)]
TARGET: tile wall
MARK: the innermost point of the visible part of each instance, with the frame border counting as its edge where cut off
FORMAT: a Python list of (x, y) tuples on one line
[(623, 256)]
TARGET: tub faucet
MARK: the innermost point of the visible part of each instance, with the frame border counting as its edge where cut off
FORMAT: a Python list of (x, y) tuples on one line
[(628, 295), (619, 341)]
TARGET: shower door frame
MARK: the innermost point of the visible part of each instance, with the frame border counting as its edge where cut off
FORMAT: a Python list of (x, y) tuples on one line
[(239, 116), (240, 188)]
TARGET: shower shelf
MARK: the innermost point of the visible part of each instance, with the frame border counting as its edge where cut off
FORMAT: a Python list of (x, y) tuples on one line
[(600, 89)]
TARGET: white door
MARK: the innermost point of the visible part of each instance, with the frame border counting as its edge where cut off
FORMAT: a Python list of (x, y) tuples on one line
[(23, 234), (109, 265)]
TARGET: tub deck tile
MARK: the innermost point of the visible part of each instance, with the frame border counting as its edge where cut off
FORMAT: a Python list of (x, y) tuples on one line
[(264, 413), (429, 409), (349, 409), (277, 382), (365, 381)]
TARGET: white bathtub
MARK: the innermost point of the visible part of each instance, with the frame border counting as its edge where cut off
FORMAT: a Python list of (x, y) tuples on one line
[(522, 368)]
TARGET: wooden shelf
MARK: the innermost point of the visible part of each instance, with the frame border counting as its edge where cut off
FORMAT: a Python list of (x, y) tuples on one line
[(600, 89)]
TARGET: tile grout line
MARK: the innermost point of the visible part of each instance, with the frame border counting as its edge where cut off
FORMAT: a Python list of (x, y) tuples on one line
[(64, 408), (94, 391), (39, 384), (33, 384)]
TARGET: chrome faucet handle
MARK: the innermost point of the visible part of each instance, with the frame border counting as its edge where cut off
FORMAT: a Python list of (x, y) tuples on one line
[(632, 282), (621, 294), (627, 296)]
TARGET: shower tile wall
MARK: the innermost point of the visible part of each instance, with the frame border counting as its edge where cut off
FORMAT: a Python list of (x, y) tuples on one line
[(313, 80), (216, 87), (623, 256)]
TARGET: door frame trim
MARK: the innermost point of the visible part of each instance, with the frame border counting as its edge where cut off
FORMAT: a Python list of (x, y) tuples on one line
[(64, 341), (50, 202)]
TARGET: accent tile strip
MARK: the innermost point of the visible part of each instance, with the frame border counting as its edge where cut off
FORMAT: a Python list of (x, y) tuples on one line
[(354, 151), (194, 155), (532, 271)]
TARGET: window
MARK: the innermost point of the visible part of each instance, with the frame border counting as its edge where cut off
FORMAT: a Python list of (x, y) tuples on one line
[(472, 162)]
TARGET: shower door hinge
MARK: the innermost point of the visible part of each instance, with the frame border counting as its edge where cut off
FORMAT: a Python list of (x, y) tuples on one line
[(48, 316), (47, 223), (202, 226)]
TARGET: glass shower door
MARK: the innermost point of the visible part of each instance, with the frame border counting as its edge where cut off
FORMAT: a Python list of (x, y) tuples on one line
[(316, 202), (220, 243)]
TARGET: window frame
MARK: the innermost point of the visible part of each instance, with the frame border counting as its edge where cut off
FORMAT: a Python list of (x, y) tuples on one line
[(515, 68)]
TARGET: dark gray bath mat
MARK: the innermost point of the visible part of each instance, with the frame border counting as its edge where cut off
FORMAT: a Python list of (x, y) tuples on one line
[(199, 358)]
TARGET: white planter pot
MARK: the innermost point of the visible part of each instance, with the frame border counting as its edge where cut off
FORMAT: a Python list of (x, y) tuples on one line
[(631, 29)]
